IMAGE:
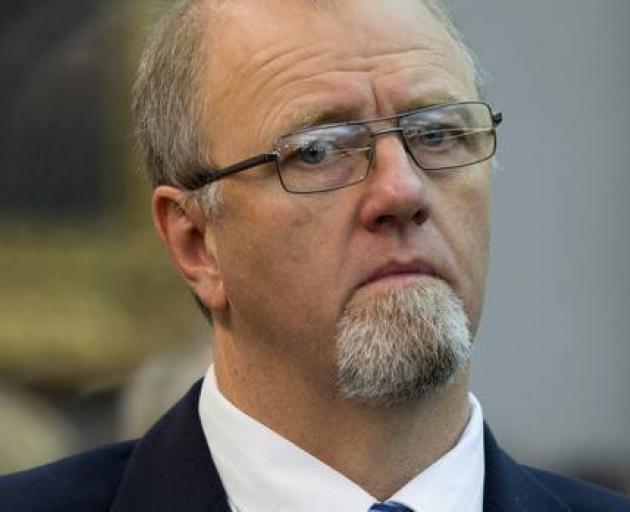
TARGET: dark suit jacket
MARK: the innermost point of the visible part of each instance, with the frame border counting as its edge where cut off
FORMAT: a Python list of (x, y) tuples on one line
[(170, 469)]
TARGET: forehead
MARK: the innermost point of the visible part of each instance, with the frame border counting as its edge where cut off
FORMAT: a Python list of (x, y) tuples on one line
[(280, 65)]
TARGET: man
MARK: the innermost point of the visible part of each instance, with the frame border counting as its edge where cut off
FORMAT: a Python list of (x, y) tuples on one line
[(322, 183)]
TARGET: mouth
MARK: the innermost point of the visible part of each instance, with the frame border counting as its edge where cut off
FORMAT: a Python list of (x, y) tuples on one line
[(397, 273)]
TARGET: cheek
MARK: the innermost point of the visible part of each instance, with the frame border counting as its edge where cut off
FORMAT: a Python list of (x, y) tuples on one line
[(295, 234), (467, 228), (298, 240), (282, 245), (473, 207), (476, 227), (282, 273)]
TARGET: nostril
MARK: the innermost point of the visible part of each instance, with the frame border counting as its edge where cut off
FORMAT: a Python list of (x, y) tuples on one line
[(385, 219), (420, 217)]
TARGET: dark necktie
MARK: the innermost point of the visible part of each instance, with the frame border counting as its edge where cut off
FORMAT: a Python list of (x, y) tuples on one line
[(389, 506)]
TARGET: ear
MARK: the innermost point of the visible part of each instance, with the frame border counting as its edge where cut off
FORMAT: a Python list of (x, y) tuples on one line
[(185, 231)]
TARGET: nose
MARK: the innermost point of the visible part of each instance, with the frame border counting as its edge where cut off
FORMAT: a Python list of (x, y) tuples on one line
[(397, 194)]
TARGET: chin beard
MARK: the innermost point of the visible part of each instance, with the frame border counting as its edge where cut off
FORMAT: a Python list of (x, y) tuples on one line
[(403, 345)]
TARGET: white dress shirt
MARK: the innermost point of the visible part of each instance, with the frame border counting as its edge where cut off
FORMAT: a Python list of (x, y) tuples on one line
[(262, 471)]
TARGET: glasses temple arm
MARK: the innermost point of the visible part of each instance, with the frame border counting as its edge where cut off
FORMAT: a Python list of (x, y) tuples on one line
[(205, 176)]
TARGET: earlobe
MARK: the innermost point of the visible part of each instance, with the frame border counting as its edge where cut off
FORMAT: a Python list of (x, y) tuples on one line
[(185, 231)]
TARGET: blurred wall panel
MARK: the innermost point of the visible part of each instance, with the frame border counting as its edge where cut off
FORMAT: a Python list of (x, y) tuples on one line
[(53, 100), (553, 357), (87, 293)]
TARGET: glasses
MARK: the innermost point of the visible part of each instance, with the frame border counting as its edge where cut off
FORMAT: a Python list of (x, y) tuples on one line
[(334, 156)]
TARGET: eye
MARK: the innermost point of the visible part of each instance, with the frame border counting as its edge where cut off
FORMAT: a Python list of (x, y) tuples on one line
[(435, 137), (323, 149), (432, 138), (315, 152)]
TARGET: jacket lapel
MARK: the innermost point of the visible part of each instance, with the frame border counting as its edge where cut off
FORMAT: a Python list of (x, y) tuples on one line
[(171, 467), (509, 487)]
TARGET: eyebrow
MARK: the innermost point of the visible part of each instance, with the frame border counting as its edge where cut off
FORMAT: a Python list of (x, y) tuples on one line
[(309, 117), (312, 116), (431, 99)]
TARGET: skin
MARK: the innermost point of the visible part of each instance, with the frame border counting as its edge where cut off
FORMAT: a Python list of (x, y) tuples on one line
[(277, 269)]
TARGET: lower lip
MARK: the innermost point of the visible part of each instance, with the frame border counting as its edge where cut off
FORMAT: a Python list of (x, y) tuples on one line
[(396, 281)]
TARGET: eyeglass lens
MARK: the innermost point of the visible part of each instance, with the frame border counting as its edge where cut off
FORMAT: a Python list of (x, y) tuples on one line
[(336, 156)]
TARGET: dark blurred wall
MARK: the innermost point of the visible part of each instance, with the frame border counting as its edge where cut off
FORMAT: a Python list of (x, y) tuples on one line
[(87, 292), (52, 96)]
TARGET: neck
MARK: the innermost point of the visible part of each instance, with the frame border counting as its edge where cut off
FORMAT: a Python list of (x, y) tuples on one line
[(352, 438)]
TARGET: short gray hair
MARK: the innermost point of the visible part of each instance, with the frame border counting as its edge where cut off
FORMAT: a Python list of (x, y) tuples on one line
[(168, 98), (167, 95)]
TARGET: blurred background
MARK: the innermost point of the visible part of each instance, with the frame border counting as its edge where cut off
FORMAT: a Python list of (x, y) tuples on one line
[(98, 336)]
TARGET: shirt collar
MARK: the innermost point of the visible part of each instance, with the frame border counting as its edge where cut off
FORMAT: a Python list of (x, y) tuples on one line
[(263, 471)]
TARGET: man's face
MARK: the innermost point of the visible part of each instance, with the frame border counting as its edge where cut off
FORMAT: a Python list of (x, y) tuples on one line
[(291, 264)]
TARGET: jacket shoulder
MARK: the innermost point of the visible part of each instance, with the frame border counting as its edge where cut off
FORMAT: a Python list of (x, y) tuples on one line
[(84, 482), (578, 495)]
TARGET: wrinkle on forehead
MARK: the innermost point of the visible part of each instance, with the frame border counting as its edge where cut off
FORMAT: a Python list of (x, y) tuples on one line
[(274, 57)]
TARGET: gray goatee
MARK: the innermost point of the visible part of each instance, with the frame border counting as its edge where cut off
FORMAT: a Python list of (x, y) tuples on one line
[(402, 345)]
